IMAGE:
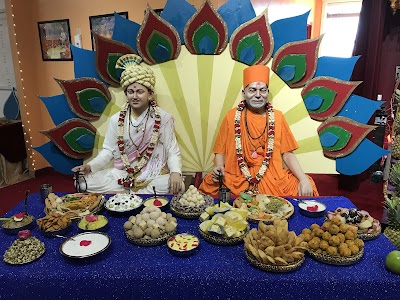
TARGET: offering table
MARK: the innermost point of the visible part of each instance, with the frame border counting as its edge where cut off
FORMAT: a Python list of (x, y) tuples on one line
[(127, 271)]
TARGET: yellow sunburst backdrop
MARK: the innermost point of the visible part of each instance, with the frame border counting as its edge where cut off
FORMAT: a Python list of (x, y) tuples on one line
[(199, 89)]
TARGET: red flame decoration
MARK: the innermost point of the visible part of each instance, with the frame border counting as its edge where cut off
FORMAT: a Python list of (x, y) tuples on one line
[(343, 91), (206, 13), (258, 25), (358, 132), (153, 22), (104, 47), (72, 87), (307, 47), (56, 136)]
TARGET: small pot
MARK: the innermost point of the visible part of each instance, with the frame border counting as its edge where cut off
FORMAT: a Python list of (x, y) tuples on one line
[(304, 206)]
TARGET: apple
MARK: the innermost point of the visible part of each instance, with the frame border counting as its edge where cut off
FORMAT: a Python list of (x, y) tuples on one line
[(393, 262)]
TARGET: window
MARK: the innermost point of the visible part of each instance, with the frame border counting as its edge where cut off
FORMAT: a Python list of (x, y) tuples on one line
[(339, 23)]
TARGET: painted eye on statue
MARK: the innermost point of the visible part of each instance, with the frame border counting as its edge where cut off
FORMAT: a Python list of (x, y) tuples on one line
[(262, 91)]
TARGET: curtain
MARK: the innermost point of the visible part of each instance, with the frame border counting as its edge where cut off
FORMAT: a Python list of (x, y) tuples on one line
[(372, 28)]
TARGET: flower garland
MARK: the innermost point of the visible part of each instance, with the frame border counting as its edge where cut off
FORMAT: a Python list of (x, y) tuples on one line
[(270, 144), (128, 181)]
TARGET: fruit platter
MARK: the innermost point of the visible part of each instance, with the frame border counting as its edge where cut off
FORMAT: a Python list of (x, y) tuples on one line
[(223, 225), (334, 242), (151, 227), (264, 207), (74, 205), (274, 248), (368, 228), (191, 204)]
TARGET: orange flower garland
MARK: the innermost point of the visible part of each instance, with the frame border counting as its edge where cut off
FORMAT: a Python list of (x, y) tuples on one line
[(239, 151)]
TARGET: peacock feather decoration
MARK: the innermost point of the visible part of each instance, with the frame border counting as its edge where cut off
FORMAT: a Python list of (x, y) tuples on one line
[(198, 57)]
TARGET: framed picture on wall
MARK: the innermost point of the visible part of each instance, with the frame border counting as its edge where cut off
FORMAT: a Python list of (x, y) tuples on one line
[(103, 25), (55, 40)]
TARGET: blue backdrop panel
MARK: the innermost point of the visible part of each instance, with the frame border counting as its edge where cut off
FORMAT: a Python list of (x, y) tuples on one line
[(337, 67), (125, 31), (58, 160), (84, 63), (359, 108), (177, 13), (58, 108), (289, 30), (360, 159), (236, 13)]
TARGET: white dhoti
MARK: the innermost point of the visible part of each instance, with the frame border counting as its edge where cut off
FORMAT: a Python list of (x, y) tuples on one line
[(106, 181)]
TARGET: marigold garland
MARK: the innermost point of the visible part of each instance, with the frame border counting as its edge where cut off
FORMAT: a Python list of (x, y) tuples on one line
[(270, 144), (128, 181)]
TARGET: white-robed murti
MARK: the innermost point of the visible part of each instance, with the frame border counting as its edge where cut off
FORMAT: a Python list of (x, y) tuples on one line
[(164, 160)]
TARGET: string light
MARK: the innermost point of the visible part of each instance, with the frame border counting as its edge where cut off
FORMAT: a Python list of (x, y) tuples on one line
[(28, 137)]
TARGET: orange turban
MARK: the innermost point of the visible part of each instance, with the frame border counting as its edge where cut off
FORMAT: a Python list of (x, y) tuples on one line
[(255, 73)]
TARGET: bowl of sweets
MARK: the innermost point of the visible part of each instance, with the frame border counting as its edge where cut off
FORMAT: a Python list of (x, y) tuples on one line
[(183, 244), (123, 203), (159, 201), (151, 227), (191, 204)]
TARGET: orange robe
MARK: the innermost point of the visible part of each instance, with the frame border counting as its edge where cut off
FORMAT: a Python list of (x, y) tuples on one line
[(277, 180)]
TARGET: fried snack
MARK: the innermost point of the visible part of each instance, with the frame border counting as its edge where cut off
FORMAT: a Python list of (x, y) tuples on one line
[(72, 205), (337, 239), (274, 244), (53, 222)]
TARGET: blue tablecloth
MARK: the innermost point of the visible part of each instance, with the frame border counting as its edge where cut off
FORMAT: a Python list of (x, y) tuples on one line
[(127, 271)]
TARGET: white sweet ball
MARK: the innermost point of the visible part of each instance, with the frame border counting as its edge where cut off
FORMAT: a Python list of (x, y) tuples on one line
[(154, 215), (150, 223)]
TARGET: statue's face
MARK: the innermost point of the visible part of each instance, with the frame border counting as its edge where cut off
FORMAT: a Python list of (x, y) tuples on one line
[(256, 94), (138, 96)]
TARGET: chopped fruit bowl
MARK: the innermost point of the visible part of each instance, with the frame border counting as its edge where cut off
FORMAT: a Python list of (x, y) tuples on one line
[(159, 201)]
